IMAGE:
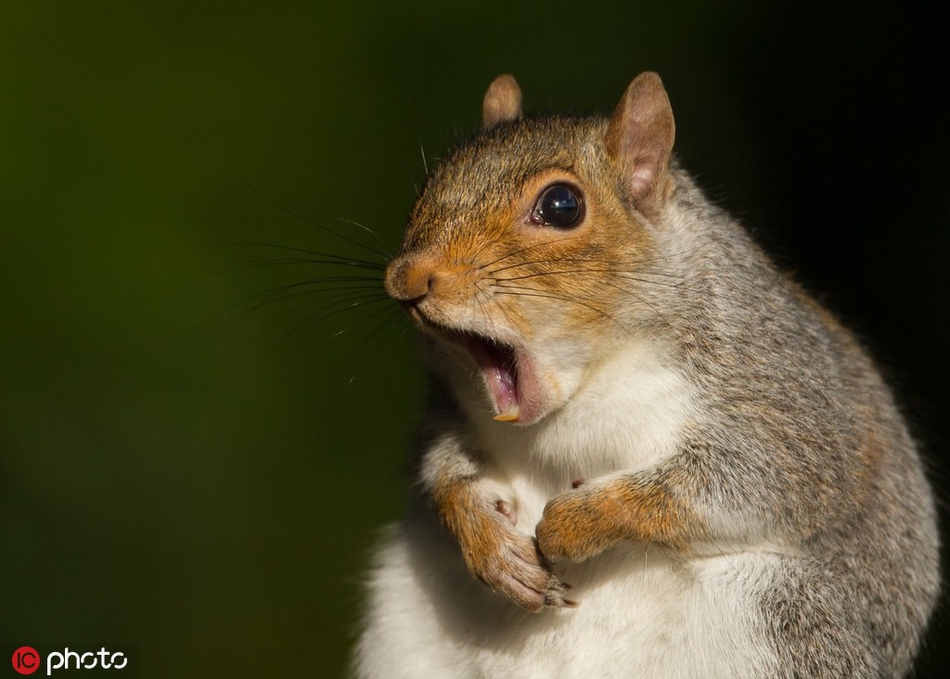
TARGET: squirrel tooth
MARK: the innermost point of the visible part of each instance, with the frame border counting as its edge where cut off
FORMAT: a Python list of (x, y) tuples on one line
[(512, 414)]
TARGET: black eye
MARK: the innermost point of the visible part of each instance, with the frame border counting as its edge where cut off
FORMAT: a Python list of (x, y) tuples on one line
[(559, 205)]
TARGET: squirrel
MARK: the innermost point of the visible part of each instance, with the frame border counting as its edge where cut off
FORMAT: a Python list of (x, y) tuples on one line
[(648, 452)]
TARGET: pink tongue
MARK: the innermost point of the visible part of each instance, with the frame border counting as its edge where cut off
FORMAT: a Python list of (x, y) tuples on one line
[(498, 371), (504, 390)]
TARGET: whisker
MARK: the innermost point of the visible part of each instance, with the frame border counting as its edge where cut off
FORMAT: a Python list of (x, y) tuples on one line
[(639, 298), (614, 273), (480, 291), (333, 310), (626, 291), (640, 266), (368, 230), (425, 163), (318, 257), (645, 262), (350, 294), (521, 292), (679, 285), (517, 252), (395, 312), (276, 292), (389, 322), (273, 261), (381, 254), (589, 260), (275, 295), (478, 252)]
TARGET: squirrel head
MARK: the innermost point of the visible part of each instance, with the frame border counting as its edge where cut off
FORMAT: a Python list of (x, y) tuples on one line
[(524, 254)]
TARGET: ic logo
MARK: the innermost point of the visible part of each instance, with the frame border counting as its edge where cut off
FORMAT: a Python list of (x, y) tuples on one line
[(26, 660)]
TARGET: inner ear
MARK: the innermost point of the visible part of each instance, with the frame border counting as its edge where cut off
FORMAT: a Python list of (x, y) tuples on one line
[(502, 102), (640, 139)]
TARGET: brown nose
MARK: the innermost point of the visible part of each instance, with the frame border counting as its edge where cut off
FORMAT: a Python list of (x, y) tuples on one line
[(409, 278)]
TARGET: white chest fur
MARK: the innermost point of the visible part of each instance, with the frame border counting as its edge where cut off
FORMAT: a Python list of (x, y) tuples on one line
[(642, 612)]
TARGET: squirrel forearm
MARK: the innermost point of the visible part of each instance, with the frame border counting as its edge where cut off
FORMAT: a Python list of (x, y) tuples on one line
[(696, 498)]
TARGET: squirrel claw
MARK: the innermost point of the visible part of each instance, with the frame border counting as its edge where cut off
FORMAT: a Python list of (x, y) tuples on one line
[(554, 595)]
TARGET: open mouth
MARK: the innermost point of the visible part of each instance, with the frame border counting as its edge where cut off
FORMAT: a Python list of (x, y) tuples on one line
[(498, 364), (499, 367)]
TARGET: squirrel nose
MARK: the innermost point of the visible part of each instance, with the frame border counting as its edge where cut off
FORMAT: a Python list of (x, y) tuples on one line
[(409, 279)]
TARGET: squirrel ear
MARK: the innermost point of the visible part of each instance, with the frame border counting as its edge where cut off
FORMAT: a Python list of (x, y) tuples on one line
[(502, 102), (640, 138)]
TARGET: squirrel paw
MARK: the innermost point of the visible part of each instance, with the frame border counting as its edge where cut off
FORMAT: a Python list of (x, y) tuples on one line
[(509, 562), (579, 523)]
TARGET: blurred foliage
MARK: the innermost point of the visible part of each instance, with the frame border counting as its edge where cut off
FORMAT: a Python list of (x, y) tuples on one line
[(184, 467)]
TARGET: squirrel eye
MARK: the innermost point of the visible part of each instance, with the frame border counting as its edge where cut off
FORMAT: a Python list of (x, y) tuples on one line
[(559, 205)]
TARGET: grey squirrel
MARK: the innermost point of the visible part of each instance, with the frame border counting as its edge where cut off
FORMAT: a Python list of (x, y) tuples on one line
[(630, 398)]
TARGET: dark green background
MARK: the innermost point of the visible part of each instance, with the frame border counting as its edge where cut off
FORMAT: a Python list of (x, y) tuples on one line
[(207, 485)]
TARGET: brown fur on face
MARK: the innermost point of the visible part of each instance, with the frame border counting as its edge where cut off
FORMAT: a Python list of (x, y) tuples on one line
[(486, 258)]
